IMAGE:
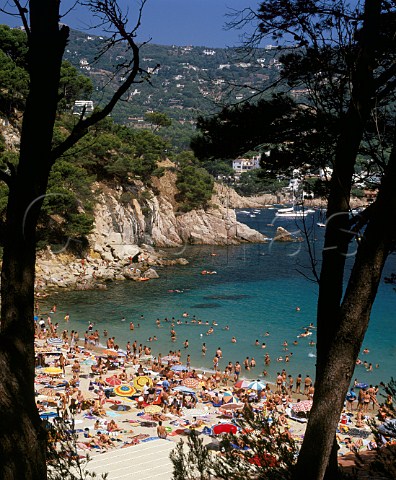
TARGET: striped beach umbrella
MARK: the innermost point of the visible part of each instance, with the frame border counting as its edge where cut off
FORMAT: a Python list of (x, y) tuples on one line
[(55, 341), (228, 397), (53, 370), (113, 381), (191, 382), (242, 384), (256, 385), (124, 390), (140, 382)]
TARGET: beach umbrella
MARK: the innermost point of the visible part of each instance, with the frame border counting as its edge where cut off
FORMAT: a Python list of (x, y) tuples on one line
[(191, 382), (113, 381), (303, 406), (55, 341), (110, 352), (231, 407), (153, 409), (224, 428), (228, 397), (242, 384), (124, 390), (178, 368), (53, 370), (140, 382), (256, 385), (89, 361)]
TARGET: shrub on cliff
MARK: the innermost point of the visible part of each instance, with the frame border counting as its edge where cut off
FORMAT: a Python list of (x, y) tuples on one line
[(195, 187)]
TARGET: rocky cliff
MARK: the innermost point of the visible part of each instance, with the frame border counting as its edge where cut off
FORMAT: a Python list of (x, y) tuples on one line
[(153, 219), (132, 224)]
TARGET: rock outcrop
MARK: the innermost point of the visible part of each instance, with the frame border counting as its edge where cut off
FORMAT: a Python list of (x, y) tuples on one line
[(121, 227), (282, 235)]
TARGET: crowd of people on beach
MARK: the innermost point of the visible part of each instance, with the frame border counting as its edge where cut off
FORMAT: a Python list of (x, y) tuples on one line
[(167, 378)]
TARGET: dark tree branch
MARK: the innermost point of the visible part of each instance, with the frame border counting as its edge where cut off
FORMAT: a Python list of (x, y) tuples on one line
[(22, 11), (112, 14)]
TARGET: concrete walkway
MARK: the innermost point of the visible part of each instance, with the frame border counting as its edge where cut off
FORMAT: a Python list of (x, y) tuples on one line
[(147, 460)]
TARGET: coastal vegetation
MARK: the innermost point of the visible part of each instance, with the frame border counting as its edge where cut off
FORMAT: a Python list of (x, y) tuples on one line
[(109, 152), (194, 183), (260, 449)]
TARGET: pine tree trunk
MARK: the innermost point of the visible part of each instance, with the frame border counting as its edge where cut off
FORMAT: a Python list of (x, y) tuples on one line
[(22, 438), (348, 327)]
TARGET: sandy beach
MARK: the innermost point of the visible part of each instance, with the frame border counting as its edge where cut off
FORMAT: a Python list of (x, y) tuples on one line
[(119, 401)]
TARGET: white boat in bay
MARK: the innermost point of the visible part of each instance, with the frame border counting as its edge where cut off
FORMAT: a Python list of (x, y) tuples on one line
[(285, 210), (292, 213)]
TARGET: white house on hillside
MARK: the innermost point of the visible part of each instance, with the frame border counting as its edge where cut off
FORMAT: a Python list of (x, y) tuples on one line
[(80, 105), (241, 165)]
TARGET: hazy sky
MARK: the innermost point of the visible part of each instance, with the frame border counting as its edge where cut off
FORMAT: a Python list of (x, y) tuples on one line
[(168, 22)]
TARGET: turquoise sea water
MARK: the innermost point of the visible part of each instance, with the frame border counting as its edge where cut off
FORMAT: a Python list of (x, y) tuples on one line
[(256, 289)]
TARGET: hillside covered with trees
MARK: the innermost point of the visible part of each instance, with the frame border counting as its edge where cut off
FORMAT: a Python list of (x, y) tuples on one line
[(181, 82)]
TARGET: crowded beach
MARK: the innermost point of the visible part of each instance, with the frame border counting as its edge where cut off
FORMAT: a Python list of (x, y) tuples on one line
[(120, 397)]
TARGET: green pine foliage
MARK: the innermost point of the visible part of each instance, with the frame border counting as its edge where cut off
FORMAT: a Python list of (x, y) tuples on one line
[(257, 182), (194, 184), (14, 80), (64, 462)]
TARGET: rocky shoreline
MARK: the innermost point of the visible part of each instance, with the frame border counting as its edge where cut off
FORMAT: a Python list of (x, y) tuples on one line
[(54, 271)]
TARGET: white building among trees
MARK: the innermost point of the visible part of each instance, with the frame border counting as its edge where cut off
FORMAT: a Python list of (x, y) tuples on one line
[(241, 165)]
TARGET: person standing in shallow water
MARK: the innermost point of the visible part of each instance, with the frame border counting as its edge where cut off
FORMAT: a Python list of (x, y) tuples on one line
[(298, 383)]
